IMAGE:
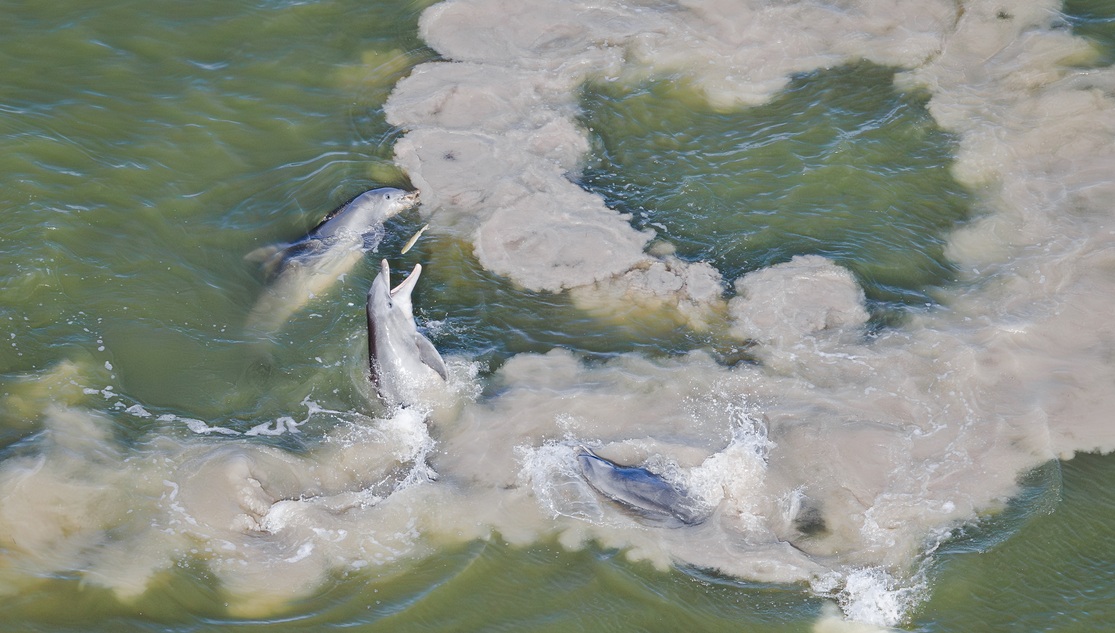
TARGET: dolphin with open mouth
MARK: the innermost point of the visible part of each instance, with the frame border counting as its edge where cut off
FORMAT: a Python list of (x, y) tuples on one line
[(300, 270), (403, 361)]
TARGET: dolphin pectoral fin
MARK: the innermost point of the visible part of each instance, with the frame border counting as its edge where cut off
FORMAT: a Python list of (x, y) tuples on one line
[(311, 246), (263, 253), (430, 356), (270, 259)]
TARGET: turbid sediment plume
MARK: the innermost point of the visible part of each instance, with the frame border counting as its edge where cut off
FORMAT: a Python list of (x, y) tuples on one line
[(840, 459)]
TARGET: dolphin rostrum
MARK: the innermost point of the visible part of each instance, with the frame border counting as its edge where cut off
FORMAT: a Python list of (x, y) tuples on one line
[(647, 496), (403, 361), (300, 270)]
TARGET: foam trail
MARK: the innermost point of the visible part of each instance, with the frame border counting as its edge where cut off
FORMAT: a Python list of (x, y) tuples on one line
[(269, 524)]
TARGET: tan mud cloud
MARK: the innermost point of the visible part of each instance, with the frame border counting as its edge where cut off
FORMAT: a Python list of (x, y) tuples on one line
[(1016, 368), (840, 460)]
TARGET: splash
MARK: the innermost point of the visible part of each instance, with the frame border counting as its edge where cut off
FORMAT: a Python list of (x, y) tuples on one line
[(270, 524)]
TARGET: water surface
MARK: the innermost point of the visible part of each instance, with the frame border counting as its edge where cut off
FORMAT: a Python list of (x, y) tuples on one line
[(146, 147)]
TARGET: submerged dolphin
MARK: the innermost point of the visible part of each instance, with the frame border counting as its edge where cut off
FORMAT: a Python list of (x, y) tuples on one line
[(648, 496), (302, 269), (403, 361)]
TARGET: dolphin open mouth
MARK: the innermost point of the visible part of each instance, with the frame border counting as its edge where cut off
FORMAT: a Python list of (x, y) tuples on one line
[(406, 284)]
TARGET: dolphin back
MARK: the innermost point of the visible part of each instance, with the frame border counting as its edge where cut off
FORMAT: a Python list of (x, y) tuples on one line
[(647, 496), (366, 212), (298, 271)]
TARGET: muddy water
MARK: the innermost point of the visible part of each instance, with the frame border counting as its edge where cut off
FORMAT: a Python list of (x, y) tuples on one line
[(843, 276)]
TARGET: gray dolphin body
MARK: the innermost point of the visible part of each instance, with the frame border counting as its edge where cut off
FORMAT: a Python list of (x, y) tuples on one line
[(402, 360), (300, 270), (649, 497)]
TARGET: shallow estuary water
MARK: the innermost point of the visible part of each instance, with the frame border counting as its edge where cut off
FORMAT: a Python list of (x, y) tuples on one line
[(842, 271)]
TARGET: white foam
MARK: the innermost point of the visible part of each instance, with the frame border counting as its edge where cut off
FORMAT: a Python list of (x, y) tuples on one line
[(733, 477), (832, 620), (138, 411), (551, 473), (872, 596), (197, 426), (235, 504), (278, 427)]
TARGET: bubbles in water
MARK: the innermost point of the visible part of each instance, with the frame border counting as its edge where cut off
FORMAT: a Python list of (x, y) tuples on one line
[(871, 596)]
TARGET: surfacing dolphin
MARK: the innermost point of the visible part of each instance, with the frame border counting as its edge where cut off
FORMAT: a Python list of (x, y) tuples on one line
[(648, 497), (300, 270), (402, 360)]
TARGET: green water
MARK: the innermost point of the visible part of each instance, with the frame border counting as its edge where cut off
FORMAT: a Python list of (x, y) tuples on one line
[(148, 146), (145, 147), (1095, 20), (840, 165)]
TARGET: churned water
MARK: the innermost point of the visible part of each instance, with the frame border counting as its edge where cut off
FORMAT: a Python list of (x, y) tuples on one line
[(842, 272)]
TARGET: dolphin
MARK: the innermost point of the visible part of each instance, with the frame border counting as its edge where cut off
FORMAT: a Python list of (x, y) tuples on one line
[(402, 360), (300, 270), (650, 498)]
